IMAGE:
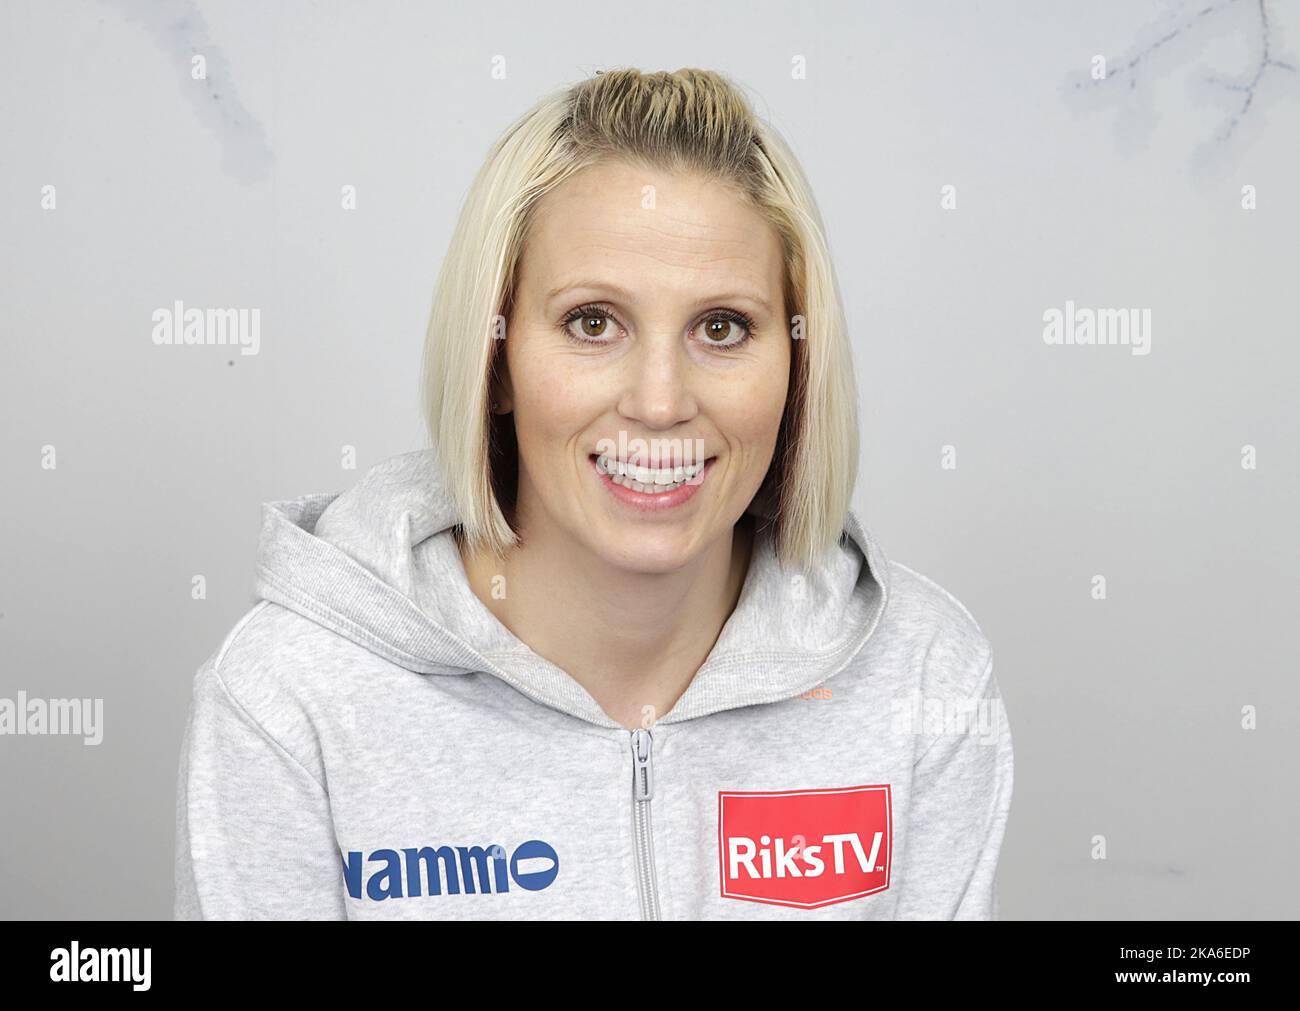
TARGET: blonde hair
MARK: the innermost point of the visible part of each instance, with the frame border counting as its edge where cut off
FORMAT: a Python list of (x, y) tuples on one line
[(691, 120)]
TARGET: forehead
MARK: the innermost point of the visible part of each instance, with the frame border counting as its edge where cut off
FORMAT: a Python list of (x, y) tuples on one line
[(638, 227)]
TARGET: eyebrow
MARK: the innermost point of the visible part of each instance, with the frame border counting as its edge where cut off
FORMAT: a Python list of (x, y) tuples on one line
[(628, 296)]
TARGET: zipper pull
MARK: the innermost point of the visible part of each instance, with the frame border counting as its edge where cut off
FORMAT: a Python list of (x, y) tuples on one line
[(642, 781)]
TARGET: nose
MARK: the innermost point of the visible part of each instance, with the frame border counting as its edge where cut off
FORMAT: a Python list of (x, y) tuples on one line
[(656, 384)]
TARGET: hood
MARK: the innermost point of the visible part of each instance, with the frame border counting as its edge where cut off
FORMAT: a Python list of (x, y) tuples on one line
[(378, 565)]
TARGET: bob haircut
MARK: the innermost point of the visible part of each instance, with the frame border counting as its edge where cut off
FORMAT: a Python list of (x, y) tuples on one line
[(688, 120)]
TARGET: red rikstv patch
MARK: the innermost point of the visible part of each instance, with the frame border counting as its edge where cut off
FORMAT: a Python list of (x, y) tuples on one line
[(804, 848)]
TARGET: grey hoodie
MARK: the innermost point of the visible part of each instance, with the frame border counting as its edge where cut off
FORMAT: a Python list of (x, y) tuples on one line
[(370, 742)]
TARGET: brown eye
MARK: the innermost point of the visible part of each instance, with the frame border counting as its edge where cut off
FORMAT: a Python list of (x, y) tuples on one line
[(594, 322), (726, 330), (594, 326), (718, 329)]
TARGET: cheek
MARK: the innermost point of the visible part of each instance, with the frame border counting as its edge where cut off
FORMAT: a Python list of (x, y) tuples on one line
[(553, 402), (751, 414)]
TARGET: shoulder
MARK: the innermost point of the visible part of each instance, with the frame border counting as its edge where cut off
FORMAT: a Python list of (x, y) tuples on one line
[(277, 669), (935, 633), (268, 649)]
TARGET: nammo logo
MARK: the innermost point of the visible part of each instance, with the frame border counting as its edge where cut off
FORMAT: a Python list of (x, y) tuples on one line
[(804, 848), (449, 870)]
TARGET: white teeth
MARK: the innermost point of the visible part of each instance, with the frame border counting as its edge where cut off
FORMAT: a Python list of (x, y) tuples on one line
[(647, 480)]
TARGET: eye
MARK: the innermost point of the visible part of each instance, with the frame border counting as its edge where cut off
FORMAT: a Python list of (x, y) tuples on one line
[(587, 324), (726, 329)]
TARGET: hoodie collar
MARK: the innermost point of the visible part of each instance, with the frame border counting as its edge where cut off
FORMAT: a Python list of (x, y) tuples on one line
[(378, 565)]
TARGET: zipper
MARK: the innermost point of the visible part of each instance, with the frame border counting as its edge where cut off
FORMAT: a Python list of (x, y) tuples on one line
[(643, 841)]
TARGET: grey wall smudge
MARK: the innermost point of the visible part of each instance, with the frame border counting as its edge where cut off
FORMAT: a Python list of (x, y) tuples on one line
[(181, 31), (1269, 76)]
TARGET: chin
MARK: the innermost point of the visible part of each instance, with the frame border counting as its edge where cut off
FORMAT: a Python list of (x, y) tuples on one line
[(659, 553)]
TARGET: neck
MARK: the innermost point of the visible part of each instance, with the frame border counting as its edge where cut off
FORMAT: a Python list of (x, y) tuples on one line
[(633, 640)]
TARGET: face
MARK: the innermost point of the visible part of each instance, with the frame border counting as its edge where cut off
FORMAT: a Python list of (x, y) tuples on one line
[(649, 329)]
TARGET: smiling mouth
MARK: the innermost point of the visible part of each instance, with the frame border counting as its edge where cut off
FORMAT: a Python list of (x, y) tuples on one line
[(648, 480)]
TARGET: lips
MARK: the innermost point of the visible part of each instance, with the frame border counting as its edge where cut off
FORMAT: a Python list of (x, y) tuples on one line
[(649, 498)]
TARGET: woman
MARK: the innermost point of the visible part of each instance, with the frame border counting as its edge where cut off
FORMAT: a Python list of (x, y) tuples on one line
[(615, 647)]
